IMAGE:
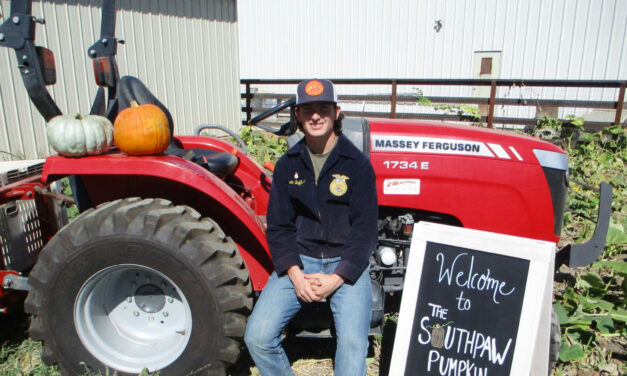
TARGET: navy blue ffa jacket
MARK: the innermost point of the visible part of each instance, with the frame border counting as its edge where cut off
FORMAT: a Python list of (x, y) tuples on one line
[(336, 217)]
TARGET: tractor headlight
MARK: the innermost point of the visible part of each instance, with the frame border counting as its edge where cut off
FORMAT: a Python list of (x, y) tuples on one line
[(555, 167)]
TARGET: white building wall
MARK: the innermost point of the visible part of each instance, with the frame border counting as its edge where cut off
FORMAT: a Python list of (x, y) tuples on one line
[(538, 39), (185, 51)]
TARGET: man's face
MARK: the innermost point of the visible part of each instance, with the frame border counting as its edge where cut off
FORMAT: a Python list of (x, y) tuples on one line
[(317, 118)]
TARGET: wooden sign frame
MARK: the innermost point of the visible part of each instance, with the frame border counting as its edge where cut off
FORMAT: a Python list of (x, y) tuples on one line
[(530, 355)]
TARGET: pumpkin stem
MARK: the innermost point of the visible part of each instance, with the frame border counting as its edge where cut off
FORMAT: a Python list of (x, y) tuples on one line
[(78, 116), (134, 104)]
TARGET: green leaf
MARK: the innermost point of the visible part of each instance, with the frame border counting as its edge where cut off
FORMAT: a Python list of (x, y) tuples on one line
[(594, 280), (605, 305), (571, 337), (569, 293), (616, 235), (586, 302), (570, 353), (605, 324), (616, 266), (619, 314), (562, 314)]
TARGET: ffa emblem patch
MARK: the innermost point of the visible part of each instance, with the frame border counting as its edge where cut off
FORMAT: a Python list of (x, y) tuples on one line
[(297, 182), (338, 185), (314, 88)]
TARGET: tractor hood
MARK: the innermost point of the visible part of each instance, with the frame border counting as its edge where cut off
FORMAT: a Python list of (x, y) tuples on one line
[(517, 183), (423, 137)]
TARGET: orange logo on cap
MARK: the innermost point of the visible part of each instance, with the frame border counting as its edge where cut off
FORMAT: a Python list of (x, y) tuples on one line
[(314, 88)]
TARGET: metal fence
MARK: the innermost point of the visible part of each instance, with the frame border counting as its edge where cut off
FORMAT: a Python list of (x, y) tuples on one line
[(576, 95)]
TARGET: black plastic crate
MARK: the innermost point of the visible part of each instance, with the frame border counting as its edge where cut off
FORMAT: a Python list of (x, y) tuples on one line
[(21, 237)]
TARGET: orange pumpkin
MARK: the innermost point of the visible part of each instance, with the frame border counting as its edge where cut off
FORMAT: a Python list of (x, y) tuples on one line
[(141, 130)]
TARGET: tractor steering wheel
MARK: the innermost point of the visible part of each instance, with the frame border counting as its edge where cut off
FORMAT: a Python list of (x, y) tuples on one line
[(286, 129), (241, 142)]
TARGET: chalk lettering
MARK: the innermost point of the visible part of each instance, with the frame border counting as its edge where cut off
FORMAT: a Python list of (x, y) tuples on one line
[(475, 344), (472, 280), (424, 328), (500, 358), (447, 366), (463, 304), (438, 311)]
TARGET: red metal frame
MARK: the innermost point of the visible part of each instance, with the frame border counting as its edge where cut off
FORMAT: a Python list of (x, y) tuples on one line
[(21, 190), (502, 201), (99, 171), (8, 297), (248, 171), (502, 195)]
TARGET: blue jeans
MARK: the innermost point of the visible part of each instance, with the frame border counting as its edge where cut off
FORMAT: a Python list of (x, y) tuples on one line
[(351, 306)]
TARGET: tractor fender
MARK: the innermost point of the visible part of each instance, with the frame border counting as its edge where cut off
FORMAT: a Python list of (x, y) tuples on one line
[(115, 175)]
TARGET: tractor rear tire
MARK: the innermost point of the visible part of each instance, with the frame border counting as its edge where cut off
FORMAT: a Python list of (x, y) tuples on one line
[(140, 283), (555, 342)]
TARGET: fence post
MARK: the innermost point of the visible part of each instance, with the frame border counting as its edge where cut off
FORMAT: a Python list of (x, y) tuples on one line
[(619, 105), (248, 109), (393, 101), (491, 104)]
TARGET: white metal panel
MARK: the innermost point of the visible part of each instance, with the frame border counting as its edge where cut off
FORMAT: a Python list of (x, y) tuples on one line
[(552, 39), (538, 39), (185, 51)]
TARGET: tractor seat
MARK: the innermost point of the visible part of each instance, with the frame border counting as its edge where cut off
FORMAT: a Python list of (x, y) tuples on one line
[(219, 163)]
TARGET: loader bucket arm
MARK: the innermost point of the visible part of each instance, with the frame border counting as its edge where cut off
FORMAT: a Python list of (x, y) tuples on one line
[(106, 70), (18, 32), (586, 253)]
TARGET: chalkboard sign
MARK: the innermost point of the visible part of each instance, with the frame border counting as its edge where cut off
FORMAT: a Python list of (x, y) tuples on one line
[(473, 303)]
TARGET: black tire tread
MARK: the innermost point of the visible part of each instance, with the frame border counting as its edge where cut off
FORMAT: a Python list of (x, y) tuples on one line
[(199, 240), (555, 342)]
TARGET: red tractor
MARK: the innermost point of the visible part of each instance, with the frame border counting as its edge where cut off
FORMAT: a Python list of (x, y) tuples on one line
[(161, 268)]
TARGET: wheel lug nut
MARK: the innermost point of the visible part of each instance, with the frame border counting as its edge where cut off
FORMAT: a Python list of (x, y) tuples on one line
[(151, 318), (129, 299), (136, 313), (170, 299), (165, 314), (147, 279)]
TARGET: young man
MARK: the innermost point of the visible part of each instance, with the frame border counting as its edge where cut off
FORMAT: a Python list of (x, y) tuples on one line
[(322, 229)]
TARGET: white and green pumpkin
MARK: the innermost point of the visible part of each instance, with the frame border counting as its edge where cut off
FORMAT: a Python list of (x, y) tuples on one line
[(75, 135)]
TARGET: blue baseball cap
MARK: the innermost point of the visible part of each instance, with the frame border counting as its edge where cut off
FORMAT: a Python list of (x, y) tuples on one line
[(315, 91)]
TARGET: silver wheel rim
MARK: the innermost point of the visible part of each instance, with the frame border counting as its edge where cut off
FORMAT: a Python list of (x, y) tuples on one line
[(132, 317)]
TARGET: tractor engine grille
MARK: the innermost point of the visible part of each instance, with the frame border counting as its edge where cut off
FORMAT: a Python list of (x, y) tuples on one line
[(20, 234), (16, 170)]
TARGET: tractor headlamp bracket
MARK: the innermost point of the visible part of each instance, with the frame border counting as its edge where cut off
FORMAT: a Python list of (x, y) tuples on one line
[(16, 30)]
